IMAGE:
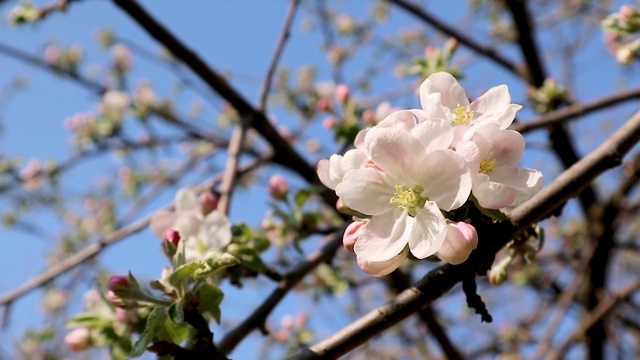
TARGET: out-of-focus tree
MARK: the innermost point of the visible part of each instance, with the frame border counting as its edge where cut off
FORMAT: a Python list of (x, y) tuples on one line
[(328, 201)]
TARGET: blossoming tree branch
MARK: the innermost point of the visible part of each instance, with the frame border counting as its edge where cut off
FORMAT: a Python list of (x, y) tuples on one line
[(390, 180)]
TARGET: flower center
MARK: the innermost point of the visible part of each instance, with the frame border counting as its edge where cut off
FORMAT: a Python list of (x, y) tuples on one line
[(408, 198), (487, 164), (462, 115)]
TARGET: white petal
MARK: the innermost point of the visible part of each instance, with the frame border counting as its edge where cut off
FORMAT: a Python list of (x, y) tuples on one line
[(492, 195), (382, 268), (434, 134), (451, 93), (445, 177), (366, 190), (186, 200), (402, 119), (394, 150), (470, 152), (323, 174), (507, 148), (526, 183), (217, 229), (383, 237), (188, 224), (502, 118), (161, 221), (427, 231), (492, 101)]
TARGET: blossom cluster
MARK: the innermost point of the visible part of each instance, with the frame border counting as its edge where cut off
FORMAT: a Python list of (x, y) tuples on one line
[(407, 173)]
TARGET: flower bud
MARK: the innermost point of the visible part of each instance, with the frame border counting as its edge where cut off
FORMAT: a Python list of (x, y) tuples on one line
[(382, 268), (461, 239), (351, 234), (124, 316), (208, 202), (118, 283), (498, 273), (323, 105), (342, 93), (172, 235), (278, 186), (627, 11), (52, 55), (329, 122), (78, 339), (121, 56)]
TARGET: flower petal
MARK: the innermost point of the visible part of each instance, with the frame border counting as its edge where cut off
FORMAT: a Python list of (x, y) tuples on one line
[(394, 150), (525, 183), (491, 194), (216, 229), (402, 119), (382, 268), (161, 221), (461, 239), (383, 237), (186, 201), (434, 134), (445, 177), (451, 94), (426, 231), (366, 190)]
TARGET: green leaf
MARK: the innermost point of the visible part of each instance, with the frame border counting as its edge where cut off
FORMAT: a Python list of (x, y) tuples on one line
[(248, 257), (88, 320), (175, 333), (210, 299), (301, 197), (185, 271), (201, 269), (155, 322), (176, 313), (219, 260)]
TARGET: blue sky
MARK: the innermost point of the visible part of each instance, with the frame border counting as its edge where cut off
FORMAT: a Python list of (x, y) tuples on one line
[(231, 36)]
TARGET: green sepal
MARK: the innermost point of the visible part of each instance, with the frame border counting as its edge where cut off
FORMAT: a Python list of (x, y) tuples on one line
[(176, 312)]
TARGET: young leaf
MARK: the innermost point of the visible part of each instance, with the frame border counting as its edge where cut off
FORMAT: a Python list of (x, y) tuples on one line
[(155, 323), (210, 298), (176, 313)]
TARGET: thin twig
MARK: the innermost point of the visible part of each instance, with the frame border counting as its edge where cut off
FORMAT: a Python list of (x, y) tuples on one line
[(239, 133)]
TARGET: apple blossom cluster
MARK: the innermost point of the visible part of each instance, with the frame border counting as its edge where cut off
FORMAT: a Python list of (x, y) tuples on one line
[(416, 166)]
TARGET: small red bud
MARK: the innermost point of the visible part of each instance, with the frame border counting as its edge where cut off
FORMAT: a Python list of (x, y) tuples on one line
[(117, 282), (208, 202), (172, 235)]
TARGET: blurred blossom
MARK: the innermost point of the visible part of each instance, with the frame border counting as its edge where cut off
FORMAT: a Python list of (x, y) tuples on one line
[(329, 122), (208, 202), (313, 145), (305, 77), (54, 300), (144, 97), (78, 339), (52, 55), (287, 322), (342, 93), (30, 175), (286, 133), (124, 316), (278, 186), (336, 55), (345, 24), (323, 105), (121, 56), (115, 103)]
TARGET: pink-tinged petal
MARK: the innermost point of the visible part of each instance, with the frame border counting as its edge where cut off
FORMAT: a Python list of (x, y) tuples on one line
[(461, 239), (492, 101), (526, 183), (358, 142), (403, 119), (445, 177), (382, 268), (353, 159), (470, 152), (426, 231), (492, 195), (383, 237), (323, 174), (508, 146), (366, 190), (186, 200), (352, 233), (451, 93), (459, 132), (503, 118), (161, 221), (434, 134), (394, 150)]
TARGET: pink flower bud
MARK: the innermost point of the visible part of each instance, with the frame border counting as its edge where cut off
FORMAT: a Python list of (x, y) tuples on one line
[(461, 239), (351, 234), (124, 316), (627, 11), (329, 122), (287, 322), (278, 186), (323, 104), (78, 339), (117, 282), (302, 319), (52, 55), (172, 235), (342, 93), (368, 117), (452, 43), (208, 202)]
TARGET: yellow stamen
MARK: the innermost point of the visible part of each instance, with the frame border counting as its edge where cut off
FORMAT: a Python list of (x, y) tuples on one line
[(463, 115), (408, 198)]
